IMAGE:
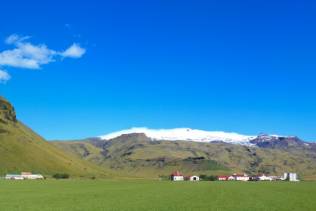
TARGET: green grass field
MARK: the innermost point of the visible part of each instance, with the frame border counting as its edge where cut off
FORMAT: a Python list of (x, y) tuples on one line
[(155, 195)]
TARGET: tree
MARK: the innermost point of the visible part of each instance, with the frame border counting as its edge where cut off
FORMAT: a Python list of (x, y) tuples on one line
[(61, 176)]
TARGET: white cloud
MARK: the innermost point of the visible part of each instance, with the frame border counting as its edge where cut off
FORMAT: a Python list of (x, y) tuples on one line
[(4, 76), (33, 56), (74, 51), (15, 39), (27, 55)]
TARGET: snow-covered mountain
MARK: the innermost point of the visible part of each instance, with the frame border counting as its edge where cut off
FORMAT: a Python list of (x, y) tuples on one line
[(185, 134)]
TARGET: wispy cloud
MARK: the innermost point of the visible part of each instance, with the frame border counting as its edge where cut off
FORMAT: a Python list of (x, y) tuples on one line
[(32, 56), (15, 39), (4, 76)]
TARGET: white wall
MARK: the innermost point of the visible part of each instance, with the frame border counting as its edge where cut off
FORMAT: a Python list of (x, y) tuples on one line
[(194, 178), (178, 178)]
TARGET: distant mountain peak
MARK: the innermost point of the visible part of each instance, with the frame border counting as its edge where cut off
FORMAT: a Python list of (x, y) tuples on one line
[(274, 141), (184, 134)]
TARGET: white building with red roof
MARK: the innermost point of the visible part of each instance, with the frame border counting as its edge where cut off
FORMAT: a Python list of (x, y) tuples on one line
[(222, 178), (177, 176)]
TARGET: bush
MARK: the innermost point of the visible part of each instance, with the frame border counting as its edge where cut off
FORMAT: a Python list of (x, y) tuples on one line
[(203, 177), (208, 177), (212, 178), (61, 176), (164, 177)]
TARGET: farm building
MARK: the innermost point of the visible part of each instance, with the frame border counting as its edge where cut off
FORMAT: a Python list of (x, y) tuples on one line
[(231, 178), (263, 177), (24, 176), (222, 178), (29, 175), (275, 178), (177, 176), (13, 177), (236, 177), (194, 178), (292, 177), (241, 177)]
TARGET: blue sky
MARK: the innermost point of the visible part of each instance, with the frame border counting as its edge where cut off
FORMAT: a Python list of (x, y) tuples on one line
[(242, 66)]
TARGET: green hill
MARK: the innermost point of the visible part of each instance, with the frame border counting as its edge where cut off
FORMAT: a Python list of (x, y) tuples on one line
[(135, 154), (21, 149)]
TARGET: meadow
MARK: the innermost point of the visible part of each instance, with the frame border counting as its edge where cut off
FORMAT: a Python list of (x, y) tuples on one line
[(155, 195)]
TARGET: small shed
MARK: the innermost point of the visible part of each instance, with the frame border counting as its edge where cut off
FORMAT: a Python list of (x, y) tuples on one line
[(194, 178)]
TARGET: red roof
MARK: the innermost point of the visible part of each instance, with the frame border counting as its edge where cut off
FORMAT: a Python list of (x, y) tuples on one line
[(176, 173)]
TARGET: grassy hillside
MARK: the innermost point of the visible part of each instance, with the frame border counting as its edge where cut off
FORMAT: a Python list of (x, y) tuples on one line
[(136, 155), (21, 149)]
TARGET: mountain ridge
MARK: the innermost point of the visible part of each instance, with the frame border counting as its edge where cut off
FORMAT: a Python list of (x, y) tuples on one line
[(136, 154), (188, 134)]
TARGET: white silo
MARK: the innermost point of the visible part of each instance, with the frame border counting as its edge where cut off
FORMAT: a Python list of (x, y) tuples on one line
[(293, 177), (285, 176)]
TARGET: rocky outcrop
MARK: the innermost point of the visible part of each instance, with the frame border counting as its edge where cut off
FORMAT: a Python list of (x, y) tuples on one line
[(7, 112), (278, 142)]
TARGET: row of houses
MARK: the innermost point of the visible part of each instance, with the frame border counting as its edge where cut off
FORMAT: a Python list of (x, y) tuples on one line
[(24, 176), (292, 177), (245, 177), (237, 177), (177, 176)]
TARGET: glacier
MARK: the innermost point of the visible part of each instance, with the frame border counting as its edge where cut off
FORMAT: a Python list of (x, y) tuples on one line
[(185, 134)]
